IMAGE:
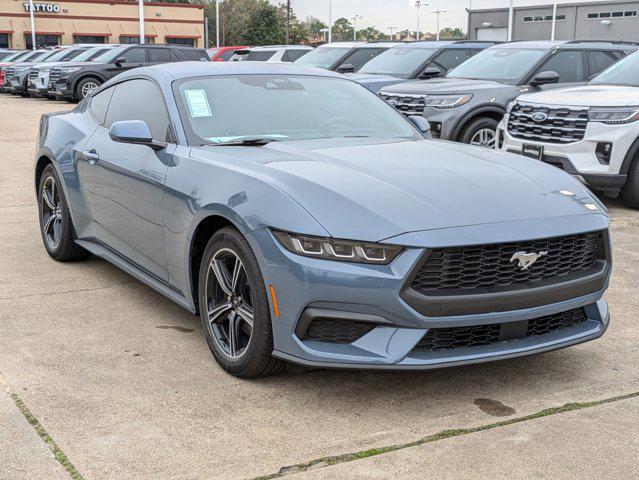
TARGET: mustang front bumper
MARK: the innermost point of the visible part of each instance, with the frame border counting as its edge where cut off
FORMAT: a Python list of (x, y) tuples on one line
[(308, 289)]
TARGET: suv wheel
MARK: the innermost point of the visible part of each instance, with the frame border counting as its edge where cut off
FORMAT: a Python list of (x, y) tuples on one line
[(56, 226), (234, 307), (630, 191), (86, 86), (481, 132)]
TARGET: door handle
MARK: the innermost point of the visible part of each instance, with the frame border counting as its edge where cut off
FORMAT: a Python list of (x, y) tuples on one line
[(92, 156)]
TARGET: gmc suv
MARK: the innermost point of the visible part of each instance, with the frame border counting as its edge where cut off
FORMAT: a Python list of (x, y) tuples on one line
[(591, 132), (415, 61), (467, 105), (74, 82)]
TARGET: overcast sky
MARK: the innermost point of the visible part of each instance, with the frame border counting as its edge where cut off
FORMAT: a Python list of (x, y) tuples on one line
[(382, 13)]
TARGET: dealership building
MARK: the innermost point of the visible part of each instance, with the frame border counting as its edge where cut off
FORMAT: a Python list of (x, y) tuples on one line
[(99, 21), (615, 20)]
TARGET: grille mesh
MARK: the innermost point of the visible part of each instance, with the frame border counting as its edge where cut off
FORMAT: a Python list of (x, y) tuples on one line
[(33, 73), (437, 339), (336, 330), (562, 125), (490, 266)]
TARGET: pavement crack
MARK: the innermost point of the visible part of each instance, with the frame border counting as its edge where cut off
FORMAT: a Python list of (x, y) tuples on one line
[(444, 434), (78, 290), (59, 455)]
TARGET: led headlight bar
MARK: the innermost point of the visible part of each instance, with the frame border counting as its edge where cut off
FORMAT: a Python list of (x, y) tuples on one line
[(340, 250)]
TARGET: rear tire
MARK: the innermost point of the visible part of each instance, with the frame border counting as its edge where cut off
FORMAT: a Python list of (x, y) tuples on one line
[(630, 190), (229, 305), (481, 131), (56, 227)]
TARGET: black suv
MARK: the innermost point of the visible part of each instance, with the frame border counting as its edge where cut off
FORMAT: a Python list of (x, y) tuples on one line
[(469, 102), (73, 82)]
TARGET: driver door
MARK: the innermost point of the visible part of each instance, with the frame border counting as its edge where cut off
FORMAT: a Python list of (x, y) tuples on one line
[(124, 182)]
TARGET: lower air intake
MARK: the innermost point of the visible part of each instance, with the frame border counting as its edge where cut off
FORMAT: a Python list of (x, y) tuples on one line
[(336, 330)]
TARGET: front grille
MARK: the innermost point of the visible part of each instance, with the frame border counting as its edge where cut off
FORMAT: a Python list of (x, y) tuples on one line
[(8, 73), (33, 74), (406, 104), (491, 267), (560, 125), (336, 330), (437, 339), (54, 76)]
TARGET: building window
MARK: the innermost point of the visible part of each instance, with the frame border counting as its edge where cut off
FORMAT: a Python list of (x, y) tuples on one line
[(89, 38), (619, 14), (545, 18), (180, 41), (4, 40), (42, 40), (135, 39)]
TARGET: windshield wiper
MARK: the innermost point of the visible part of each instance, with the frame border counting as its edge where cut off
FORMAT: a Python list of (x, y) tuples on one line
[(245, 141)]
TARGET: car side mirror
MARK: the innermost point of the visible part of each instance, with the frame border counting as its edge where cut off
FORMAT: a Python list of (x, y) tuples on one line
[(120, 61), (430, 72), (134, 131), (346, 68), (545, 78), (421, 124)]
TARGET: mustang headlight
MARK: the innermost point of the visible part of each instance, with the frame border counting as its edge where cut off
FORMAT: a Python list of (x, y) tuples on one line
[(447, 101), (341, 250), (614, 116)]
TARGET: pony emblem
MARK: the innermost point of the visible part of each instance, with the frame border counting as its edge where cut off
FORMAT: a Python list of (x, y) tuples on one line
[(527, 260)]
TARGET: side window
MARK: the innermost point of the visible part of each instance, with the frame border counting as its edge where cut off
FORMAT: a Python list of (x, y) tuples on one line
[(140, 100), (159, 55), (599, 61), (134, 55), (292, 55), (362, 56), (99, 104), (226, 55), (449, 59), (568, 64)]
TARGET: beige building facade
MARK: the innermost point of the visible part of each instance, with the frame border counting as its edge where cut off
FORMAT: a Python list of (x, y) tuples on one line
[(99, 21)]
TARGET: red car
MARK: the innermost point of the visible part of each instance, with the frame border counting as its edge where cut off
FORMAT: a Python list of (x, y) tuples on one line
[(222, 54)]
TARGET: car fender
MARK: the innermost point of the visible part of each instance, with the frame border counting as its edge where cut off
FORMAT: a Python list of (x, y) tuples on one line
[(477, 111), (629, 158), (84, 75)]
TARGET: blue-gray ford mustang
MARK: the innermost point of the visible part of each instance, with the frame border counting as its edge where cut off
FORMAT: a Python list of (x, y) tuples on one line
[(306, 221)]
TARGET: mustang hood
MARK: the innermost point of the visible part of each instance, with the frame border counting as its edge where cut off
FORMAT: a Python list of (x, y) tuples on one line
[(376, 191), (444, 86), (587, 96)]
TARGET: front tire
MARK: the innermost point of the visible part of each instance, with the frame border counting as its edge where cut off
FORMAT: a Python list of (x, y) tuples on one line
[(56, 226), (86, 86), (234, 307), (630, 190), (481, 132)]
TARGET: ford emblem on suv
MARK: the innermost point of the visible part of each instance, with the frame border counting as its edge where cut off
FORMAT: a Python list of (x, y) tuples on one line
[(539, 116)]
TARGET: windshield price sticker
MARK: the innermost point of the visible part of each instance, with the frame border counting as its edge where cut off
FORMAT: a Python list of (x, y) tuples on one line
[(198, 103)]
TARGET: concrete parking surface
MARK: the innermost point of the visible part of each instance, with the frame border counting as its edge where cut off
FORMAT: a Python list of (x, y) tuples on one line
[(106, 378)]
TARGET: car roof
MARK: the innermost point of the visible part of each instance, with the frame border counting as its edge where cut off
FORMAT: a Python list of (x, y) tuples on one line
[(569, 44), (378, 44), (277, 47), (180, 70)]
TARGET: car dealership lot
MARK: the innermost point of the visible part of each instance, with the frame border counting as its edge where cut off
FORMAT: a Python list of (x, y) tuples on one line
[(123, 382)]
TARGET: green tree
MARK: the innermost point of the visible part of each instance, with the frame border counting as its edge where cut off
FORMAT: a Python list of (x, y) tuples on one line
[(298, 30), (342, 30), (370, 34), (265, 26), (449, 32)]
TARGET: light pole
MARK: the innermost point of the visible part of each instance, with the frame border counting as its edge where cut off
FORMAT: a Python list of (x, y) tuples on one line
[(419, 4), (510, 20), (32, 18), (355, 18), (554, 20), (288, 21), (141, 14), (437, 12), (391, 28), (330, 21), (217, 23)]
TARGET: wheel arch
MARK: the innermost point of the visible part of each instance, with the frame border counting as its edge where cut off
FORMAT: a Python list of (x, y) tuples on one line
[(95, 75), (41, 163), (631, 156), (495, 112)]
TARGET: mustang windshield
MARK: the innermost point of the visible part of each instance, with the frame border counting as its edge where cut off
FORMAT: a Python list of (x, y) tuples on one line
[(624, 72), (399, 62), (280, 108), (507, 65)]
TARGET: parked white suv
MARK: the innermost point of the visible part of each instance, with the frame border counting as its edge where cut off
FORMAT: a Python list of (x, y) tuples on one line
[(591, 131)]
